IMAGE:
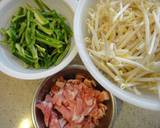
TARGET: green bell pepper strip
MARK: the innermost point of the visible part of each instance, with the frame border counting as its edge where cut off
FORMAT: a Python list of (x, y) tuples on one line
[(52, 43), (28, 18), (44, 29), (22, 40), (16, 18), (40, 18), (42, 5), (54, 59), (20, 49), (33, 33), (60, 58), (28, 36), (27, 59), (40, 49), (33, 51), (48, 40), (12, 34), (22, 29)]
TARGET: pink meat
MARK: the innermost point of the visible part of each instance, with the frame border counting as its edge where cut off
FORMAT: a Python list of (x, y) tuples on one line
[(70, 93), (89, 107), (46, 109), (54, 122), (66, 113), (73, 125), (73, 104), (58, 98), (88, 123), (62, 122), (48, 98), (54, 90), (60, 84)]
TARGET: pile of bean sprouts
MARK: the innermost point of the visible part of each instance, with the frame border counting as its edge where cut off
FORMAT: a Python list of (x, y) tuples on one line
[(124, 42)]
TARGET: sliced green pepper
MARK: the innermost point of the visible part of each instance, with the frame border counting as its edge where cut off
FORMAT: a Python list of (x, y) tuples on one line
[(22, 29), (12, 34), (34, 52), (60, 58), (44, 29), (33, 33), (48, 40), (39, 37), (42, 5), (40, 18)]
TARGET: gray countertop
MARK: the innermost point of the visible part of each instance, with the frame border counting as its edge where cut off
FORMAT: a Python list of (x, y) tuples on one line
[(16, 97)]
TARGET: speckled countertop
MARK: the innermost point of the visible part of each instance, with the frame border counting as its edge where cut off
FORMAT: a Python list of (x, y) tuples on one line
[(15, 106)]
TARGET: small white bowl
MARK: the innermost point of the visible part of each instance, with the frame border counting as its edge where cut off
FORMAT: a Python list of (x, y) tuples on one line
[(80, 31), (9, 64)]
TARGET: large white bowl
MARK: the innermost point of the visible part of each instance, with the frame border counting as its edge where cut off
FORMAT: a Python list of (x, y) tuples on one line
[(80, 31), (9, 64)]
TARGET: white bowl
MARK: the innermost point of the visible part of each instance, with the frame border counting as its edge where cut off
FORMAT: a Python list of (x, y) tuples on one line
[(80, 31), (9, 64)]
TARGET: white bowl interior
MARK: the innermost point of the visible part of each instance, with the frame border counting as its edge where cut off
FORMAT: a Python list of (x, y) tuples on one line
[(13, 66), (80, 29)]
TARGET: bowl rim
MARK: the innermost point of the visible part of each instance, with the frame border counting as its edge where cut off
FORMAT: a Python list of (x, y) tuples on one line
[(131, 98), (75, 66), (47, 72)]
